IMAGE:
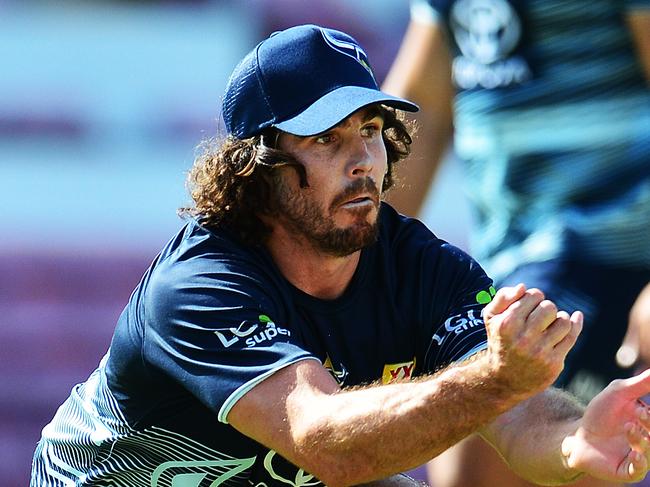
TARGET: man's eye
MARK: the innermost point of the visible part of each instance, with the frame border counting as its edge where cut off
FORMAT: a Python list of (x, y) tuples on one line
[(370, 130), (324, 139)]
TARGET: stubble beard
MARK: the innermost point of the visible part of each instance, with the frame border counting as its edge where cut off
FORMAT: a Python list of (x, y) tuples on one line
[(304, 217)]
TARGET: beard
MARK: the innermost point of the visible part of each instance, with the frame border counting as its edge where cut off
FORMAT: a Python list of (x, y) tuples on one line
[(305, 217)]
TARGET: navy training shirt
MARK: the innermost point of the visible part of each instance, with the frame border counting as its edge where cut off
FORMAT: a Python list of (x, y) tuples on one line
[(212, 318)]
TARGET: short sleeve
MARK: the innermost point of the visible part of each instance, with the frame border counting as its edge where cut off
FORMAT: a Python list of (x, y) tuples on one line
[(216, 327), (460, 294)]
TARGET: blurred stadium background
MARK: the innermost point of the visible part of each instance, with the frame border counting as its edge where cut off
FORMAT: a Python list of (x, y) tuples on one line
[(101, 106)]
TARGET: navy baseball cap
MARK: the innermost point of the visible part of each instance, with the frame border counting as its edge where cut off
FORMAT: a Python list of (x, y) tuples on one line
[(303, 80)]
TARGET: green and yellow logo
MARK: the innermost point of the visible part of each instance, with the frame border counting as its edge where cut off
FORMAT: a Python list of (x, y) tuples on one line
[(484, 297)]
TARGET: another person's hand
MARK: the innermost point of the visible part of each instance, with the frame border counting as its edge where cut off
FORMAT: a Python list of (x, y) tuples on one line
[(635, 349), (612, 440), (528, 338)]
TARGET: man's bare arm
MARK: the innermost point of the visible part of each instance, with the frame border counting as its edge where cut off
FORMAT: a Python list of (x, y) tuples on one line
[(351, 437), (551, 439), (529, 436), (360, 435)]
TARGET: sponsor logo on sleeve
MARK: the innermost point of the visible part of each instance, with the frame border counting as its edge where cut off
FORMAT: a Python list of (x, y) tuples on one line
[(250, 333), (485, 297), (457, 324), (396, 372)]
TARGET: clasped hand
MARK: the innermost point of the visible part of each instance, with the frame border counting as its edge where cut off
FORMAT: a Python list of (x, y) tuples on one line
[(528, 339)]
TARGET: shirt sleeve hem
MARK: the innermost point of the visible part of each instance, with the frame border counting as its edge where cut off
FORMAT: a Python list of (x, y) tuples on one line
[(244, 388), (478, 348)]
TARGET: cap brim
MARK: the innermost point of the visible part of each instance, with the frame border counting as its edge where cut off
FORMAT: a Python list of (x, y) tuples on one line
[(336, 105)]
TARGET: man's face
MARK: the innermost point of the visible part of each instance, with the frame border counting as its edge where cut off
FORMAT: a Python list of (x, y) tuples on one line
[(345, 167)]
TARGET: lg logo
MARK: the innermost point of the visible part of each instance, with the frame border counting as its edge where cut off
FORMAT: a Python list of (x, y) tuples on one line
[(252, 333), (458, 324)]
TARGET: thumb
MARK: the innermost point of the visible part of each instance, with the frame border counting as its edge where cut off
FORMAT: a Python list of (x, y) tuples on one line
[(637, 386), (503, 299)]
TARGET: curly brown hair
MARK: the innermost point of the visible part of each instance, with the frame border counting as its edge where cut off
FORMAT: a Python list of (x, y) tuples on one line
[(231, 182)]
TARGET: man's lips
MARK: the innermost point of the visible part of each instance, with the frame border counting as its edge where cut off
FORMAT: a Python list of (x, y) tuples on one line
[(360, 193), (360, 200)]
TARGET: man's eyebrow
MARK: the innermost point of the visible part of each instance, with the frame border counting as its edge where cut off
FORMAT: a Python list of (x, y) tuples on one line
[(371, 112), (367, 113)]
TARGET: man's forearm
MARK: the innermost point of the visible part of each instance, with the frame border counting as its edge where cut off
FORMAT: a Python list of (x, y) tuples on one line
[(379, 430), (529, 436)]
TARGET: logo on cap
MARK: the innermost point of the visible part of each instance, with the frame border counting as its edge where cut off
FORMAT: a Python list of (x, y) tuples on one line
[(349, 49)]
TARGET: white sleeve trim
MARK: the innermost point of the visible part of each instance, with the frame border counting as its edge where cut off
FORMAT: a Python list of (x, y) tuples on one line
[(475, 350), (422, 12), (244, 388)]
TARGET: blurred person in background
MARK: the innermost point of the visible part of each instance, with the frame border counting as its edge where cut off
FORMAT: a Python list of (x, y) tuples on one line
[(551, 118)]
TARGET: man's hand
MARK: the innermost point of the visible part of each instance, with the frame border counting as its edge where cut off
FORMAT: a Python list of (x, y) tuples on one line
[(528, 338), (612, 440)]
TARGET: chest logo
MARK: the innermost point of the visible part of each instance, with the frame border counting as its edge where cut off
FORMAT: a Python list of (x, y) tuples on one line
[(396, 372), (302, 479), (195, 473), (339, 375)]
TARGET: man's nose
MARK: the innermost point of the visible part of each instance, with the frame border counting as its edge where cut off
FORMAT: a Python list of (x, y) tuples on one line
[(361, 162)]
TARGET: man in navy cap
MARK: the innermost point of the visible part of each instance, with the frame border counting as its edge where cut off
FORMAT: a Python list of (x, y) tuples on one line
[(234, 360)]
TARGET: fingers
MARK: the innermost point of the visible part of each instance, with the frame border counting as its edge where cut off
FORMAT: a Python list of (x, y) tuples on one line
[(637, 437), (518, 303), (527, 317), (545, 314), (503, 299), (577, 320), (527, 304), (635, 387), (633, 467), (575, 327), (635, 464), (558, 329), (643, 415), (528, 337)]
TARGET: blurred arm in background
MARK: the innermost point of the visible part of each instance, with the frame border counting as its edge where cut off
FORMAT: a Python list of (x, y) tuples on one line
[(635, 350), (421, 72), (639, 21)]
